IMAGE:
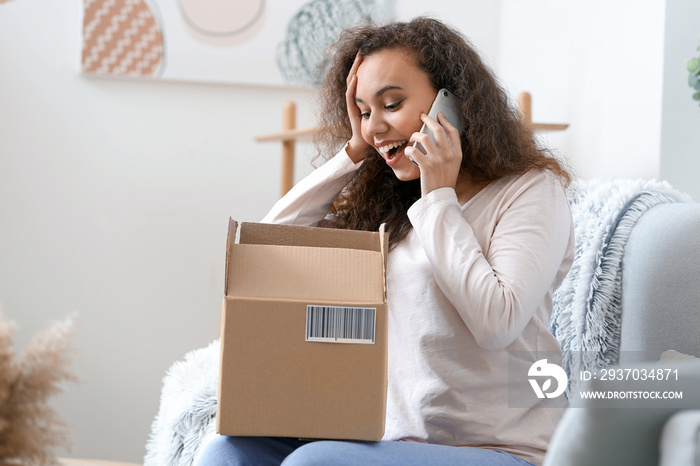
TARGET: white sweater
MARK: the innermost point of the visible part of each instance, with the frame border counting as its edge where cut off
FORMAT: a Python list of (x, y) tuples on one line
[(469, 285)]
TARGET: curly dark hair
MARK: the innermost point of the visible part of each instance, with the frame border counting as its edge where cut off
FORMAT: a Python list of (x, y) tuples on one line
[(495, 141)]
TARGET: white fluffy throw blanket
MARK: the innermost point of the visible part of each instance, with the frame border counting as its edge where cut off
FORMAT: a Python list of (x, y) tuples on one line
[(186, 417), (586, 317)]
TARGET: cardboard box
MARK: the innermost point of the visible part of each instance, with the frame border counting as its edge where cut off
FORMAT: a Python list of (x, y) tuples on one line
[(303, 333)]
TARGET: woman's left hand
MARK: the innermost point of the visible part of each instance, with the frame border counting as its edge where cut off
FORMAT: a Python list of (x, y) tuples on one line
[(439, 168)]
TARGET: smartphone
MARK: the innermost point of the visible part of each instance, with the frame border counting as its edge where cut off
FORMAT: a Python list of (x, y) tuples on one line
[(446, 103)]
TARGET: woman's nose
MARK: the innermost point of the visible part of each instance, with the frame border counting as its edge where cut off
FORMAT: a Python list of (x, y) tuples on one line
[(376, 124)]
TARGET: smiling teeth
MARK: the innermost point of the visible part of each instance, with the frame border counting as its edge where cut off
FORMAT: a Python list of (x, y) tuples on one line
[(386, 148)]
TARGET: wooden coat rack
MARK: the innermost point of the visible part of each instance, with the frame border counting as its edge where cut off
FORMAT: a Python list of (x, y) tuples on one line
[(290, 135)]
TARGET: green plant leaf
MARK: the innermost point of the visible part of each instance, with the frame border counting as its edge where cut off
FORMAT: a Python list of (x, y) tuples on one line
[(696, 96), (693, 65), (692, 79), (696, 86)]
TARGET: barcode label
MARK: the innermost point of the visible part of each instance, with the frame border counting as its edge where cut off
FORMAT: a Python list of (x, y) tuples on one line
[(336, 324)]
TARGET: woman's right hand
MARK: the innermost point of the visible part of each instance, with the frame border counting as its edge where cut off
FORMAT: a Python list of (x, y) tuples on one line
[(357, 146)]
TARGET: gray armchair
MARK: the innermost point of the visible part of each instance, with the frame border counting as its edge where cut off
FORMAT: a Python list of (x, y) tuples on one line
[(661, 282), (660, 304)]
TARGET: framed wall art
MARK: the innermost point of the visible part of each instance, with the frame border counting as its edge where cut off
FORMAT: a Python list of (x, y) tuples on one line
[(262, 42)]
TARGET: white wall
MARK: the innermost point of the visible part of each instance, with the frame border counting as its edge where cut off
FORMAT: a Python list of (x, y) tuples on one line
[(115, 195), (680, 129), (596, 65), (477, 19), (114, 202)]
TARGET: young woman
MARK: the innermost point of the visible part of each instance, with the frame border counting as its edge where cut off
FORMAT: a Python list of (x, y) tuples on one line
[(480, 237)]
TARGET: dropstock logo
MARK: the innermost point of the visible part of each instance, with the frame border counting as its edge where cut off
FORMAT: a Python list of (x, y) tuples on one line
[(542, 369)]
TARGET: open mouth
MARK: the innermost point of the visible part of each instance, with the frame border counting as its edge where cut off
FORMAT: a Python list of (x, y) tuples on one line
[(389, 151)]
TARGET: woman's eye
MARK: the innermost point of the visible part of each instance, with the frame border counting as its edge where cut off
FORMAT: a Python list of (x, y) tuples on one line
[(364, 115), (393, 106)]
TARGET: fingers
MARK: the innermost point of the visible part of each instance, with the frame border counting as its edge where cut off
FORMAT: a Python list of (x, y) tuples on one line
[(451, 130), (414, 155), (425, 140), (452, 134), (440, 128), (356, 146), (441, 162), (445, 147), (350, 97), (445, 134), (352, 87), (421, 144), (353, 69)]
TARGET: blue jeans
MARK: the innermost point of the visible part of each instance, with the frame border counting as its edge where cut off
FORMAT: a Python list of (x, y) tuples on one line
[(269, 451)]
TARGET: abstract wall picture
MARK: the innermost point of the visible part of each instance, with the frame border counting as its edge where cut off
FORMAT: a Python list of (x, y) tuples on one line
[(121, 38), (261, 42), (301, 56), (218, 22)]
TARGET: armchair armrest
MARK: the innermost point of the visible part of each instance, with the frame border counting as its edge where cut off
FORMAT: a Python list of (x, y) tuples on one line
[(660, 294), (621, 432), (680, 439)]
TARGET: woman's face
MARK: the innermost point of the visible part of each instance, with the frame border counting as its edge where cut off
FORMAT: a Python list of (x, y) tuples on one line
[(392, 92)]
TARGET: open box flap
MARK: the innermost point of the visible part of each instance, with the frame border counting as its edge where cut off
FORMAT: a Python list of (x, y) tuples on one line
[(295, 235), (302, 272), (295, 262), (230, 241)]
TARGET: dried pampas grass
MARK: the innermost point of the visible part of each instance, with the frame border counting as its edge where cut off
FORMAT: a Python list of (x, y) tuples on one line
[(30, 430)]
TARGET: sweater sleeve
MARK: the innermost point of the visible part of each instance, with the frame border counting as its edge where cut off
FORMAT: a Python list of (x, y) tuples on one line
[(497, 293), (308, 202)]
